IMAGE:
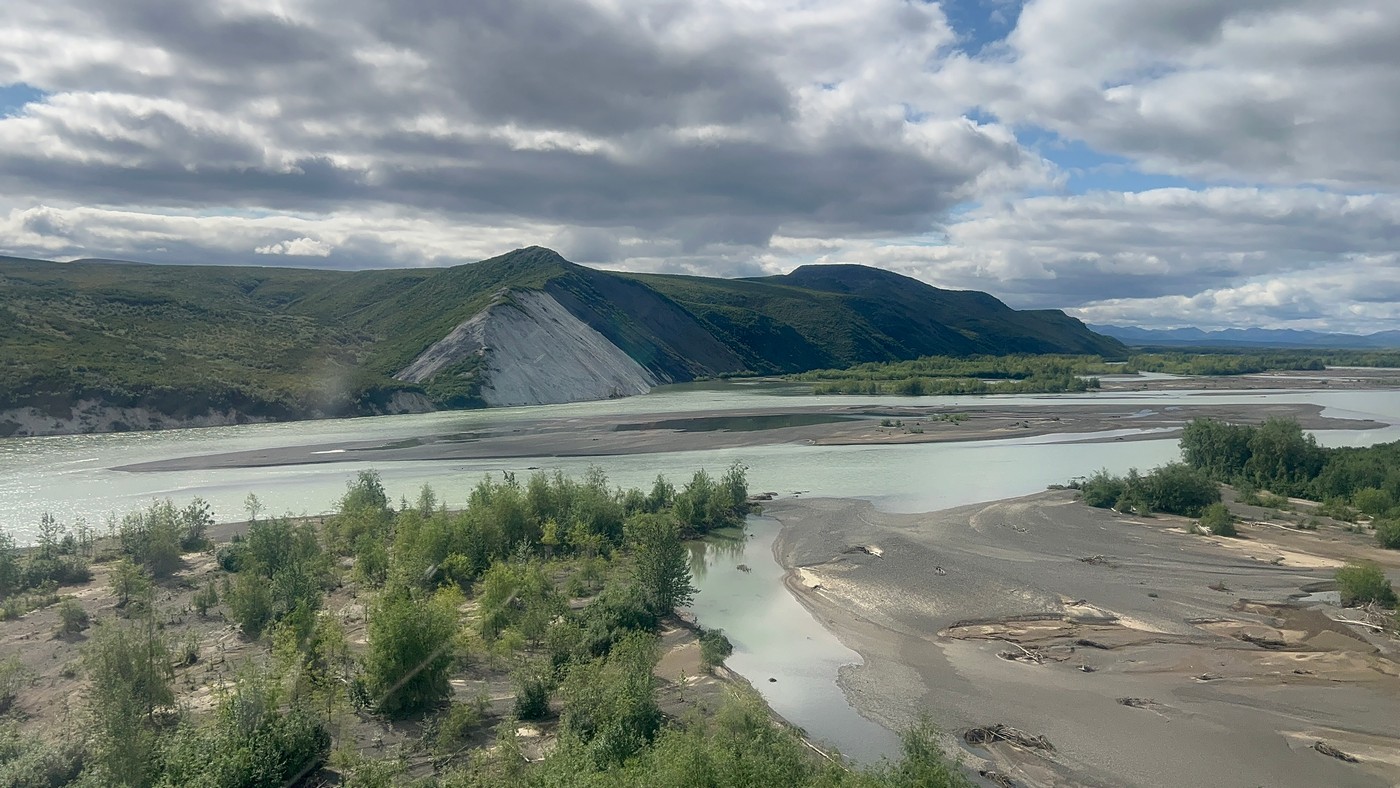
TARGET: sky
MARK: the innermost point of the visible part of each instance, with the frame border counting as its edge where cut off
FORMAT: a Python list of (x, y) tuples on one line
[(1223, 163)]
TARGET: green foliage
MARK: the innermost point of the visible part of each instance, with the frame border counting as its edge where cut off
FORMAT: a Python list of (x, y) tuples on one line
[(1362, 583), (155, 538), (1174, 488), (533, 686), (206, 598), (661, 563), (1388, 534), (281, 575), (251, 741), (129, 583), (1373, 501), (410, 650), (129, 668), (1218, 520), (930, 375), (458, 724), (14, 676), (29, 761), (72, 618), (715, 648), (610, 710), (518, 595)]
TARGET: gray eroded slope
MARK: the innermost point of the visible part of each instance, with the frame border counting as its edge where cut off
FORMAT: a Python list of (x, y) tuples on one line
[(535, 352)]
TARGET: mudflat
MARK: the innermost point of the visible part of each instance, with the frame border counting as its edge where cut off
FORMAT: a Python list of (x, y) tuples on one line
[(1057, 644), (805, 422)]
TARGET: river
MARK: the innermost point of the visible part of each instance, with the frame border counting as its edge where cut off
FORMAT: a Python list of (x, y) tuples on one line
[(774, 636)]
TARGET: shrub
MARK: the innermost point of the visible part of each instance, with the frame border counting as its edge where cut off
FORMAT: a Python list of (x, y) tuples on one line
[(1362, 583), (714, 647), (1218, 520), (1373, 501), (206, 598), (72, 617), (1388, 534), (410, 650), (533, 687), (456, 726)]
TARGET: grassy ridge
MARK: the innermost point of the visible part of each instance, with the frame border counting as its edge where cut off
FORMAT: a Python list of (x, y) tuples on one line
[(293, 343)]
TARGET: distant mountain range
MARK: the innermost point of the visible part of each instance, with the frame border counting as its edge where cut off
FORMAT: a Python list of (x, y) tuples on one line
[(104, 345), (1250, 337)]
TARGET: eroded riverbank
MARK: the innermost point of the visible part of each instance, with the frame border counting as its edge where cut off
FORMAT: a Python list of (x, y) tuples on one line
[(1126, 643)]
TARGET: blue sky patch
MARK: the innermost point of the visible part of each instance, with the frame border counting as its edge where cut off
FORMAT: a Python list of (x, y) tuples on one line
[(14, 97), (1088, 170), (980, 23)]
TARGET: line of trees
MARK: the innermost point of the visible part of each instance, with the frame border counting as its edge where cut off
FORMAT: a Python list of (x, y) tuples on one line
[(1280, 457)]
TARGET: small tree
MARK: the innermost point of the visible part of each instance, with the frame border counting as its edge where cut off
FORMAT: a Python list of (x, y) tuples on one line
[(128, 582), (131, 674), (1363, 582), (1218, 520), (410, 650), (715, 648), (662, 564)]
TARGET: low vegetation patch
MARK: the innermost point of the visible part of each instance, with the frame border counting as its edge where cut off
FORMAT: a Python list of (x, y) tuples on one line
[(1173, 489), (1363, 583)]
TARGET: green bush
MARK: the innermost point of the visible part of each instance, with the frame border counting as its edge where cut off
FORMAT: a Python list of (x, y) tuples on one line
[(1218, 520), (533, 686), (72, 618), (714, 647), (411, 650), (1388, 534), (457, 725), (1362, 583), (1373, 501)]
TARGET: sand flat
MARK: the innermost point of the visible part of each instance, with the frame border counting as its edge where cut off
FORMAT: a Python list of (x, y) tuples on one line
[(1132, 665)]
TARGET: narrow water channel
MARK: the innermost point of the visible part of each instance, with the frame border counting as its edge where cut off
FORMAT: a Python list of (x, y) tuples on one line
[(775, 637)]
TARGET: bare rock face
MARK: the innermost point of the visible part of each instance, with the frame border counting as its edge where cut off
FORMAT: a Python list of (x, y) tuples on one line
[(535, 352)]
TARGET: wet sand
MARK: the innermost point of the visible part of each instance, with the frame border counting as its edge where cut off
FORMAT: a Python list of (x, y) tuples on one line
[(1143, 655), (806, 423)]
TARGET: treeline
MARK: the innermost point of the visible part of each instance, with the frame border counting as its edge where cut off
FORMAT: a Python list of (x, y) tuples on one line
[(561, 583), (1017, 374), (1279, 457), (1046, 374)]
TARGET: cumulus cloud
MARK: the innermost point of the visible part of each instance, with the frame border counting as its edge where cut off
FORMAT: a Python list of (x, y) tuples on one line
[(298, 247), (733, 137)]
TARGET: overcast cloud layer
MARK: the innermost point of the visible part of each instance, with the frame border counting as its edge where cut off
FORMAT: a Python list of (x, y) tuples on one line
[(1187, 163)]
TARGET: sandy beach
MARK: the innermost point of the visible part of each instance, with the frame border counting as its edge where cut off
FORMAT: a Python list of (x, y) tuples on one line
[(1119, 650)]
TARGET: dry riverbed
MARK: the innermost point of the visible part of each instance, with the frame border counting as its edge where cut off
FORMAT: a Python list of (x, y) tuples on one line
[(1058, 644)]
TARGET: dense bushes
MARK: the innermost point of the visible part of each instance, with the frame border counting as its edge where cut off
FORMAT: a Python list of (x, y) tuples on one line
[(1278, 456), (1362, 583), (1173, 488), (410, 650)]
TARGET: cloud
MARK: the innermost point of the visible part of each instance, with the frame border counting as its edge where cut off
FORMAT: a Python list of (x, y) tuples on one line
[(301, 247), (1258, 91), (733, 137)]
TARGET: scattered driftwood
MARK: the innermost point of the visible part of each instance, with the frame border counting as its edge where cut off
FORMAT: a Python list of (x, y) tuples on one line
[(1087, 668), (1219, 586), (996, 778), (1262, 641), (1208, 677), (1097, 560), (1327, 749), (1137, 703), (743, 568), (991, 734), (1087, 643)]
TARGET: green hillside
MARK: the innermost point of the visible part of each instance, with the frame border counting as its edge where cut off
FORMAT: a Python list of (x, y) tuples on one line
[(290, 343)]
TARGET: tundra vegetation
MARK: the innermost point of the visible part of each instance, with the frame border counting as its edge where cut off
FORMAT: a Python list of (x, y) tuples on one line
[(554, 587), (1055, 373)]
